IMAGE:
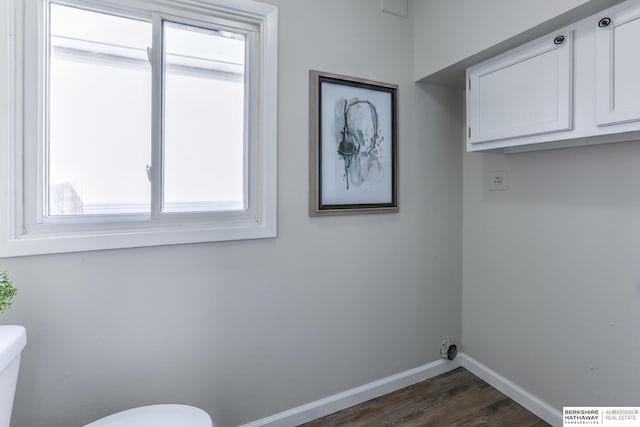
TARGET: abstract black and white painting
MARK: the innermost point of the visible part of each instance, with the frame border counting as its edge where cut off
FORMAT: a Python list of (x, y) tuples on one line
[(353, 145)]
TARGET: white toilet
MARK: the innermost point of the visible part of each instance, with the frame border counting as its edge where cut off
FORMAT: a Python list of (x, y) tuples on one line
[(12, 341), (156, 416)]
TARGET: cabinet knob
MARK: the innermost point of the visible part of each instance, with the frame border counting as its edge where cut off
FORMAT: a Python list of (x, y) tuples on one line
[(604, 22), (558, 40)]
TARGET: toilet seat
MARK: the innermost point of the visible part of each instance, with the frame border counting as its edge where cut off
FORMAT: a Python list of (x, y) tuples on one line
[(157, 416)]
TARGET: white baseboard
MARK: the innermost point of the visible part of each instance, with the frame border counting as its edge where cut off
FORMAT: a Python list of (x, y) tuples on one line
[(346, 399), (539, 407)]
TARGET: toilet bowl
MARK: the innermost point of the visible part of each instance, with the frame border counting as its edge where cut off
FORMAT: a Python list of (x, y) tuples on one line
[(156, 416), (12, 341)]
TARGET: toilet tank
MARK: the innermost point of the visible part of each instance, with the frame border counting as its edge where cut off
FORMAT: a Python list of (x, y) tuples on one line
[(12, 341)]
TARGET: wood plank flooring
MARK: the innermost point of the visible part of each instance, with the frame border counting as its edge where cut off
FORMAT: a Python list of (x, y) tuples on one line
[(456, 398)]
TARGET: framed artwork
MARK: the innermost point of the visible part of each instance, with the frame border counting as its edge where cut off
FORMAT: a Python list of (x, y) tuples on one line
[(353, 145)]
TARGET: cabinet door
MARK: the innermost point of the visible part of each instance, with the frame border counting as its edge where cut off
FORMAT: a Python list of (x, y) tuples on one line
[(526, 91), (618, 68)]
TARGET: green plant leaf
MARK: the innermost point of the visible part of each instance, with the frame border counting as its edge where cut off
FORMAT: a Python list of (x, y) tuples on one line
[(7, 291)]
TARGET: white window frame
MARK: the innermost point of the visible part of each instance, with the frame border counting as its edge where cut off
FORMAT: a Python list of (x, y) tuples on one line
[(24, 231)]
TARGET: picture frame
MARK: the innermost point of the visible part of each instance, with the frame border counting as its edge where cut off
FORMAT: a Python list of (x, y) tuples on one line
[(353, 145)]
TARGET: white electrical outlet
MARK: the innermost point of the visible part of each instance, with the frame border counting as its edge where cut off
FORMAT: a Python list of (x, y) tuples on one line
[(497, 180)]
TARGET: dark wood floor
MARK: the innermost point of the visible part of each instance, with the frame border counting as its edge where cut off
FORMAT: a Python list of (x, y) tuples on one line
[(456, 398)]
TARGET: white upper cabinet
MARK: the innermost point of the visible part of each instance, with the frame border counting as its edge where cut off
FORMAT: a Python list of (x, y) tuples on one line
[(618, 67), (579, 85), (524, 92)]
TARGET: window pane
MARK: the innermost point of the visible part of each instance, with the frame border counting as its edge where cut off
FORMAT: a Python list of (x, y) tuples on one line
[(99, 113), (203, 119)]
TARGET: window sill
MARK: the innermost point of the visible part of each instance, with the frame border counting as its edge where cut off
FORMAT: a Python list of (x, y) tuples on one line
[(51, 242)]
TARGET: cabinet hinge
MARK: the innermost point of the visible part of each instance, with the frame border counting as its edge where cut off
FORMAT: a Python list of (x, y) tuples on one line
[(469, 132), (469, 84)]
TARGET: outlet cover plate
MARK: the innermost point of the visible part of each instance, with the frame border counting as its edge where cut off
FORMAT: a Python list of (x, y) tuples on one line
[(497, 180)]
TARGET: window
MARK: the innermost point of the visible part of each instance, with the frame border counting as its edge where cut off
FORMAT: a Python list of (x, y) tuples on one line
[(139, 126)]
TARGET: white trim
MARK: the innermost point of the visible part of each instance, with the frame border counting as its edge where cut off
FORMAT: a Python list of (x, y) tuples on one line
[(346, 399), (9, 114), (532, 403), (337, 402), (268, 184)]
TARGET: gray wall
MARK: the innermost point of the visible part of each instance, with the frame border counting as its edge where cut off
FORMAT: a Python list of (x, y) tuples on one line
[(449, 31), (247, 329), (551, 267), (551, 272)]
